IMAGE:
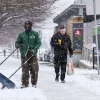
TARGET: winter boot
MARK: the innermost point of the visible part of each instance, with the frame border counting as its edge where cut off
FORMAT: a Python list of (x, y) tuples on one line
[(34, 86), (23, 86), (62, 77), (63, 81), (57, 78)]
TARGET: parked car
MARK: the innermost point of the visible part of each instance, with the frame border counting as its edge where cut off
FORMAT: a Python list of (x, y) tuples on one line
[(41, 54), (45, 56), (49, 56)]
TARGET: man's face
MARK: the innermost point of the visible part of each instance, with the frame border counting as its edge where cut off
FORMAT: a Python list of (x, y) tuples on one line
[(27, 25), (27, 28), (63, 31)]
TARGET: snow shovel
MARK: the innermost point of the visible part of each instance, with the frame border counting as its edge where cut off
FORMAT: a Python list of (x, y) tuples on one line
[(6, 82), (8, 57)]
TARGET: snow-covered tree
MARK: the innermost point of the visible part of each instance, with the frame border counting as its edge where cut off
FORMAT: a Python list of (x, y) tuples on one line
[(13, 14)]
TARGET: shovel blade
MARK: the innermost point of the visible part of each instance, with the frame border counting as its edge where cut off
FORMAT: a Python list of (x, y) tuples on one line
[(6, 82)]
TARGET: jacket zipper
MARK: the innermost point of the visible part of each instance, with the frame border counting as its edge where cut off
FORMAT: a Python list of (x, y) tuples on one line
[(28, 46)]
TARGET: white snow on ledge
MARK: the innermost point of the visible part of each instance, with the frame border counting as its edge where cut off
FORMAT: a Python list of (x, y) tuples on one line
[(87, 62), (22, 94)]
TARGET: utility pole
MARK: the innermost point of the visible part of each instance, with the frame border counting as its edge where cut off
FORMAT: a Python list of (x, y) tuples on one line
[(94, 7)]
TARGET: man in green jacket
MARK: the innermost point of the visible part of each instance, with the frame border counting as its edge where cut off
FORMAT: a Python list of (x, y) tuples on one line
[(29, 43)]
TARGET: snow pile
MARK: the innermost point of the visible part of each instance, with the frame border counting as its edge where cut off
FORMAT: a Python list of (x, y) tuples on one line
[(31, 93), (22, 94), (88, 79), (88, 63)]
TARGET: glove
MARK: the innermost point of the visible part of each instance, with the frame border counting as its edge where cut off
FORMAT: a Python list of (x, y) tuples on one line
[(18, 46), (31, 52)]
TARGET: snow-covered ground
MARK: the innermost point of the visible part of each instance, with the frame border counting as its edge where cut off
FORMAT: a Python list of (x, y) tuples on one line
[(88, 79), (22, 94), (7, 68), (84, 84)]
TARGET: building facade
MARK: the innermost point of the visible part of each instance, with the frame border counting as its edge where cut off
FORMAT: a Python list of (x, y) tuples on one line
[(79, 26), (80, 2)]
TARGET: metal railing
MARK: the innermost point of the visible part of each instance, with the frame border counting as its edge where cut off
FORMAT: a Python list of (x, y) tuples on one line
[(88, 54)]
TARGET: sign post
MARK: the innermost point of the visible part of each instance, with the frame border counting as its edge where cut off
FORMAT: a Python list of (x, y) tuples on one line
[(94, 7), (93, 11)]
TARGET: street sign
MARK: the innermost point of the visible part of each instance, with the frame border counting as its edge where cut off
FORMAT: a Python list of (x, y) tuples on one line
[(89, 7)]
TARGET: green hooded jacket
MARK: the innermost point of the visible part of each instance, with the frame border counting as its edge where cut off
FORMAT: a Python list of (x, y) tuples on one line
[(29, 41)]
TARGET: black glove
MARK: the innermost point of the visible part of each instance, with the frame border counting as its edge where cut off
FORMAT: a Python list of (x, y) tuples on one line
[(58, 44), (30, 52), (18, 45)]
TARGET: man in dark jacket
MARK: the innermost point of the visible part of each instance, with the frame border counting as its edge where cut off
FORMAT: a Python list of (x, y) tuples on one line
[(29, 43), (61, 43)]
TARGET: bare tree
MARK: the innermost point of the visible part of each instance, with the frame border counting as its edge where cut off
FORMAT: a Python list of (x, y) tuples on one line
[(13, 13)]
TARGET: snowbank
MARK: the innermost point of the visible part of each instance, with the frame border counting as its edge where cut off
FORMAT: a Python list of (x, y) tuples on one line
[(89, 79), (31, 93), (22, 94)]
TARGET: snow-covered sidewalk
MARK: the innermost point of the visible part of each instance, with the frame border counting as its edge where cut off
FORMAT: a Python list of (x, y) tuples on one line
[(84, 84), (22, 94), (7, 68)]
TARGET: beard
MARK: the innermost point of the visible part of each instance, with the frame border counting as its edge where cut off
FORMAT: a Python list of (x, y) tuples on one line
[(28, 29)]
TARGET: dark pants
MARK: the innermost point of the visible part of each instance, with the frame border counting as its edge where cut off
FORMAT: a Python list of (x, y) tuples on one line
[(60, 66), (29, 69), (60, 62)]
